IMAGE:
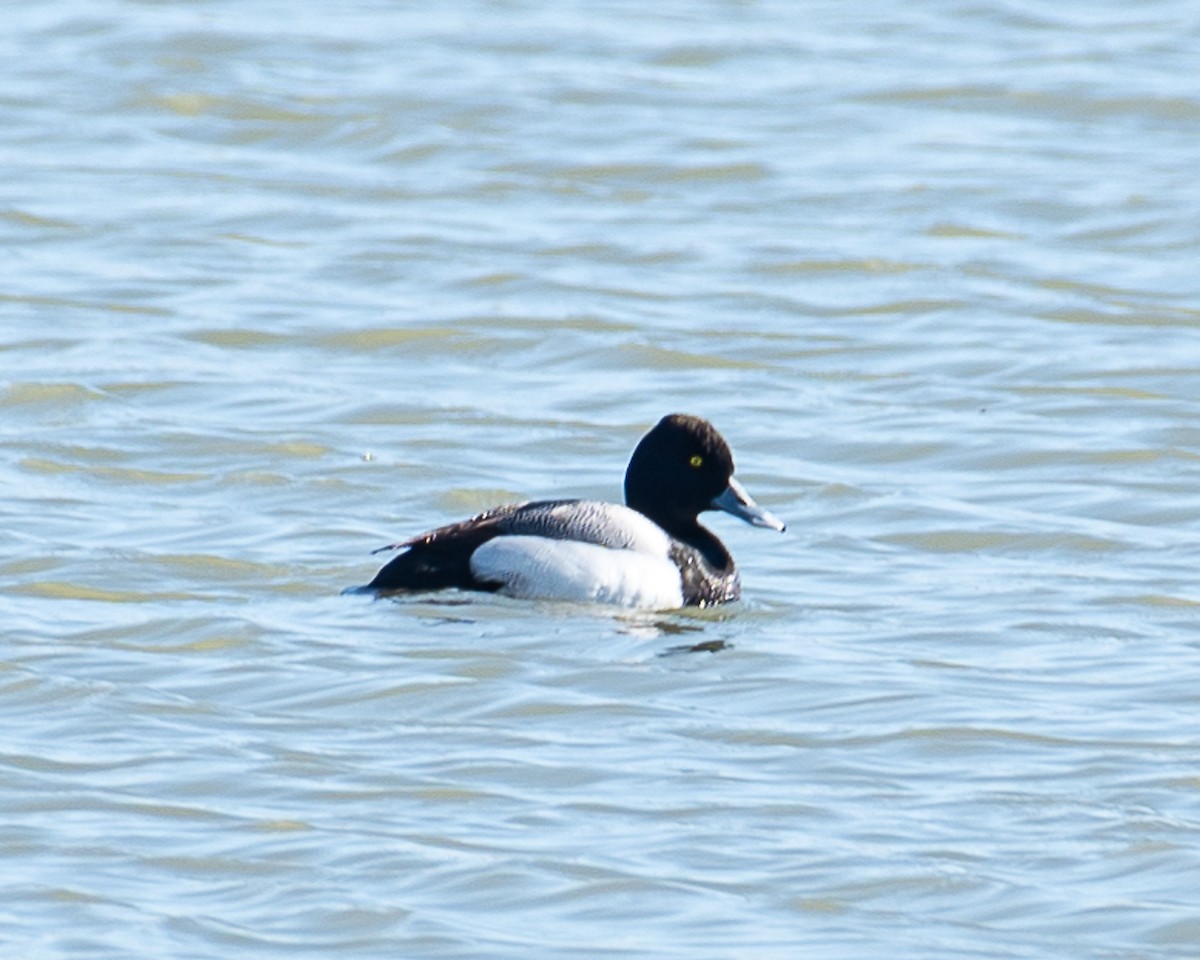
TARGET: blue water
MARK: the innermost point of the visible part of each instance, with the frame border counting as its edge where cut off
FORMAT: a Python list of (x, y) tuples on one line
[(286, 283)]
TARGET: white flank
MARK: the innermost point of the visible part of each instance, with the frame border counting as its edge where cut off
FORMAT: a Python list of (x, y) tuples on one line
[(540, 568)]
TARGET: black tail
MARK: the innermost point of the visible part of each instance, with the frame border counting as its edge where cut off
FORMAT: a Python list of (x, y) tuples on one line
[(440, 559), (426, 566)]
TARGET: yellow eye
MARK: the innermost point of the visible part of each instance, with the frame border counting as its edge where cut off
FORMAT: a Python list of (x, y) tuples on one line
[(697, 460)]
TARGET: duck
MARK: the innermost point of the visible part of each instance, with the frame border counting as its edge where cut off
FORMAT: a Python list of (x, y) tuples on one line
[(649, 553)]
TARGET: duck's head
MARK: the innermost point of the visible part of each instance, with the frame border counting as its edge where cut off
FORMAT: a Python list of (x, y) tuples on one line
[(683, 467)]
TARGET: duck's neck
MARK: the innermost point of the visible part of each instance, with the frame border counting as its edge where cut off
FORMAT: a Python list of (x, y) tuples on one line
[(679, 523), (695, 535)]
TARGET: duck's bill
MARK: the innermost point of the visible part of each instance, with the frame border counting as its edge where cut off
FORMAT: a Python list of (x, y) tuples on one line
[(737, 501)]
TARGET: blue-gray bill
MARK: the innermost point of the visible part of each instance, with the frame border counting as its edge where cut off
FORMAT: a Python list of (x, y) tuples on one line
[(737, 501)]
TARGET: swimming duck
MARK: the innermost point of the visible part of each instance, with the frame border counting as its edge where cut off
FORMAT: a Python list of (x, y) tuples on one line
[(651, 553)]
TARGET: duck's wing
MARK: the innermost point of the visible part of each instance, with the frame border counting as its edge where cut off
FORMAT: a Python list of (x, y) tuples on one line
[(587, 521)]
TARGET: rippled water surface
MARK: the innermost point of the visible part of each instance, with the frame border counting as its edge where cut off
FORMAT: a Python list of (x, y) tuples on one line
[(286, 282)]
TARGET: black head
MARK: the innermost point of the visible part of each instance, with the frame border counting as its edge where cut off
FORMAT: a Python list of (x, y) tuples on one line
[(683, 467), (677, 470)]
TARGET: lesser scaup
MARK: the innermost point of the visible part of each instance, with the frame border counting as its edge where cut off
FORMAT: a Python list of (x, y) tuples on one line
[(651, 554)]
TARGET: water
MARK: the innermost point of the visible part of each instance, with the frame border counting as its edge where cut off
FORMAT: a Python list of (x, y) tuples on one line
[(284, 283)]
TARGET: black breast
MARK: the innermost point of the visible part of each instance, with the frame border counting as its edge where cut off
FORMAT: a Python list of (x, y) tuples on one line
[(704, 586)]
